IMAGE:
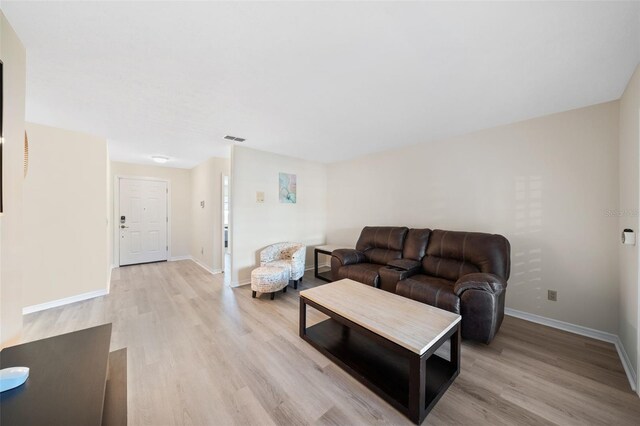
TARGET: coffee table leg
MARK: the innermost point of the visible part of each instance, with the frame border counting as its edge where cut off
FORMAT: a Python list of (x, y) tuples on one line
[(303, 317), (456, 339), (417, 388)]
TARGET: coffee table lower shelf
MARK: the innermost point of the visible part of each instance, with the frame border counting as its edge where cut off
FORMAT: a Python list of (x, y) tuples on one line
[(401, 377)]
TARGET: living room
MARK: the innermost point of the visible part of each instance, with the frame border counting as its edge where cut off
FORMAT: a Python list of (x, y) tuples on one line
[(520, 120)]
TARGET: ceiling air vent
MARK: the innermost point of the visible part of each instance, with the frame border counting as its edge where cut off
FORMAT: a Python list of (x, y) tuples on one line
[(233, 138)]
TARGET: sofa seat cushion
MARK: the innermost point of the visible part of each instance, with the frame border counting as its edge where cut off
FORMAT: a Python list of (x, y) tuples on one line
[(431, 290), (366, 273)]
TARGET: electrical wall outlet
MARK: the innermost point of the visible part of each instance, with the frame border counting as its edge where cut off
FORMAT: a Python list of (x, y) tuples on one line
[(552, 295), (260, 197)]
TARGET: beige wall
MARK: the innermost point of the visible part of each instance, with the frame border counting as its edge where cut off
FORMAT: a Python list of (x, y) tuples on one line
[(13, 56), (180, 193), (206, 223), (629, 205), (65, 215), (546, 184), (256, 225)]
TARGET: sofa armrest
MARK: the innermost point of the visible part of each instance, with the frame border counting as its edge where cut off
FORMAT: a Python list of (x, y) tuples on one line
[(480, 281), (349, 256), (405, 264)]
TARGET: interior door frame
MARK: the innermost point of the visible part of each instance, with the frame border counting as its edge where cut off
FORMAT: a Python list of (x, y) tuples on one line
[(638, 291), (116, 209), (228, 248)]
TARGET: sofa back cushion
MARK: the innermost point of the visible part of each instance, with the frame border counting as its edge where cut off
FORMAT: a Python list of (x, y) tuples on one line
[(415, 245), (382, 244), (452, 254)]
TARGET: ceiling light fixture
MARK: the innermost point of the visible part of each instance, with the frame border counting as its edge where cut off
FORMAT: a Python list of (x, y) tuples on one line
[(159, 159)]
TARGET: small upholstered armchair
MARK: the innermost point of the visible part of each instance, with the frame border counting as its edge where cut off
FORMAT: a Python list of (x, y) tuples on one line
[(289, 255)]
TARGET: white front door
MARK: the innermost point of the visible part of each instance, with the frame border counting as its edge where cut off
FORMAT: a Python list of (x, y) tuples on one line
[(142, 221)]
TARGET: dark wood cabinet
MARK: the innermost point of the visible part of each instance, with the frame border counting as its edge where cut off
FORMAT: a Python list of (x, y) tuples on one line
[(73, 380)]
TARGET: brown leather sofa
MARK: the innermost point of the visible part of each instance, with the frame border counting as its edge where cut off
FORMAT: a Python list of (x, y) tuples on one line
[(462, 272)]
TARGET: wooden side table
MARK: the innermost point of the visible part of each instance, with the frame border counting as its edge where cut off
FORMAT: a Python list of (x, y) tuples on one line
[(325, 250)]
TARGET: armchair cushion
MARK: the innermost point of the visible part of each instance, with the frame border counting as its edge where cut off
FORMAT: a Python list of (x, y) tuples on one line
[(480, 281), (349, 256)]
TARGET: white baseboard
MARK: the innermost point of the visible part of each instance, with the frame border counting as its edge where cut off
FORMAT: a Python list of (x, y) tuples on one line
[(561, 325), (312, 267), (583, 331), (626, 364), (108, 279), (61, 302), (197, 262), (205, 267), (175, 258), (240, 283)]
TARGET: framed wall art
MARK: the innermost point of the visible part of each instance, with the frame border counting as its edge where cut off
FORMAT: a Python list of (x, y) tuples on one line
[(287, 189)]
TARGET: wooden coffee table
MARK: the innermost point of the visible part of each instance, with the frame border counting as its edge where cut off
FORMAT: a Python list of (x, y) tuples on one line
[(385, 341)]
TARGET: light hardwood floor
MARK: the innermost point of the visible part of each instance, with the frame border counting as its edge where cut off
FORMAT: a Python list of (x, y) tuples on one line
[(200, 353)]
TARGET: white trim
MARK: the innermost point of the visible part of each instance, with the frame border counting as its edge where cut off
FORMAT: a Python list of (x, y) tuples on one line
[(175, 258), (224, 249), (561, 325), (312, 268), (626, 364), (205, 267), (637, 360), (109, 278), (230, 266), (61, 302), (197, 262), (116, 208), (583, 331)]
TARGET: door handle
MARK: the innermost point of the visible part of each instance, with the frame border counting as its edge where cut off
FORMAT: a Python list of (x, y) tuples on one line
[(123, 226)]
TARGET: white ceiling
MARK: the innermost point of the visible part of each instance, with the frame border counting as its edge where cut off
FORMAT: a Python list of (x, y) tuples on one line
[(315, 80)]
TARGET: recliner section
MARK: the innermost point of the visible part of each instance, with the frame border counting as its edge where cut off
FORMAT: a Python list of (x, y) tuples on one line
[(377, 246), (462, 272)]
